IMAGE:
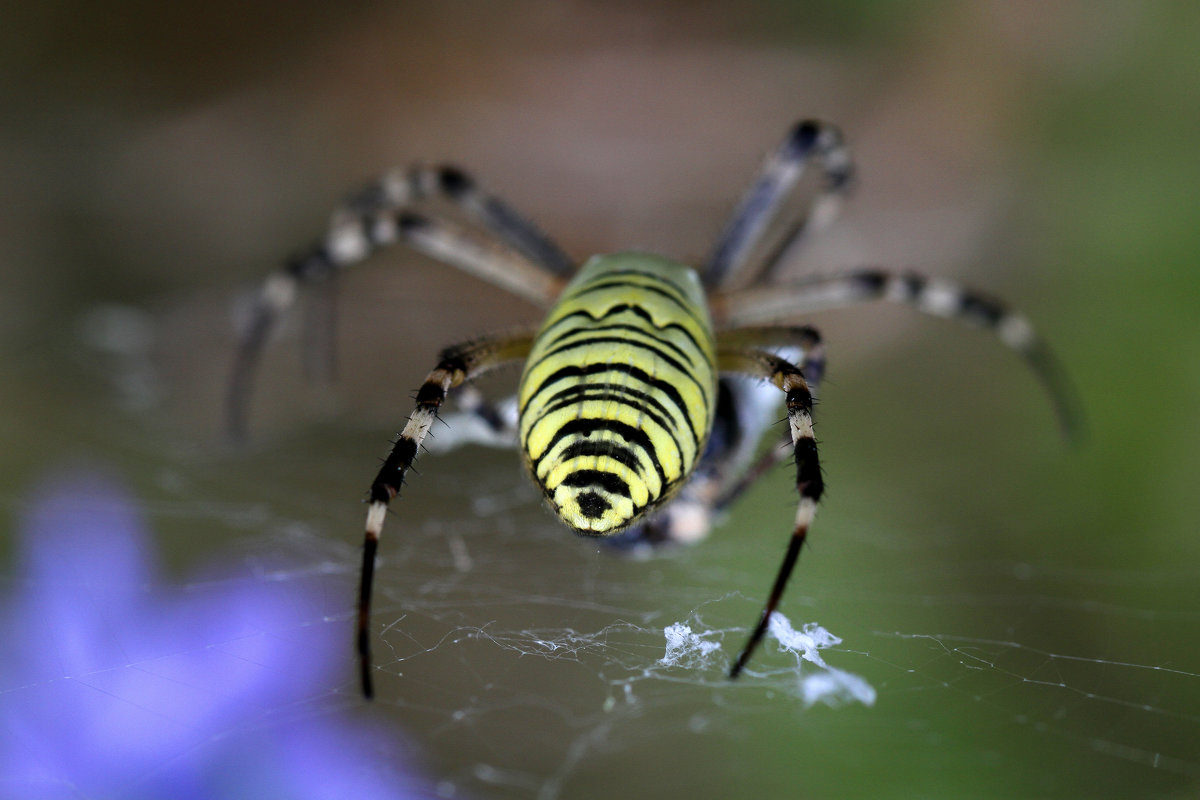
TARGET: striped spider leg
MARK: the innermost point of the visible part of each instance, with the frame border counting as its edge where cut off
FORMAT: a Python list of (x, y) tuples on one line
[(517, 257), (809, 484), (455, 366), (937, 297), (747, 250), (745, 257)]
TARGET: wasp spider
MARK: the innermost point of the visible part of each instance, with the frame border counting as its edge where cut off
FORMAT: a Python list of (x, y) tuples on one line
[(625, 401)]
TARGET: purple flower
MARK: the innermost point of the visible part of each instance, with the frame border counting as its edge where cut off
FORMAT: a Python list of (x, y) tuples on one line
[(115, 685)]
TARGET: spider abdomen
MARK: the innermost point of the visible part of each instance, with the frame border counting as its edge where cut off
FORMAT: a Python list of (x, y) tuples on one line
[(618, 394)]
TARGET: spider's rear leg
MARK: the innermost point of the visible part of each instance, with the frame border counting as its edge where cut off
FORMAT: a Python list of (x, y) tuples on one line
[(456, 366), (403, 188), (378, 217), (745, 250), (479, 205), (937, 297), (787, 377)]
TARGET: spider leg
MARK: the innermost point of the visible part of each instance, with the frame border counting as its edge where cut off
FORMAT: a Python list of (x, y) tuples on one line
[(401, 189), (800, 344), (936, 297), (787, 377), (732, 261), (494, 214), (521, 260), (455, 366)]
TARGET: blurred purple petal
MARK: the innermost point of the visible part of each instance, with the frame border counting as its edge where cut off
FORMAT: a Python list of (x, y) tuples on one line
[(115, 685), (83, 552)]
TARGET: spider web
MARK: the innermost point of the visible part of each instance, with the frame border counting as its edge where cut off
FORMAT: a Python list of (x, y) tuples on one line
[(515, 660), (192, 638)]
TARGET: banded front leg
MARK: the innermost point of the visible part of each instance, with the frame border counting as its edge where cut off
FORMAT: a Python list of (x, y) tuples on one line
[(455, 366), (790, 380), (803, 345)]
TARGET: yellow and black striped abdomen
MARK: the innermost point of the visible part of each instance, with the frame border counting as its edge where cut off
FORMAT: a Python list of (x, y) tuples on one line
[(618, 393)]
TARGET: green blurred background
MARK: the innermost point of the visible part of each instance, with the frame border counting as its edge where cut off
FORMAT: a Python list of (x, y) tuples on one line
[(1028, 614)]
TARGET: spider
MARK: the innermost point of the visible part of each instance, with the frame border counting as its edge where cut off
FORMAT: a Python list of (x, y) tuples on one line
[(629, 416)]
